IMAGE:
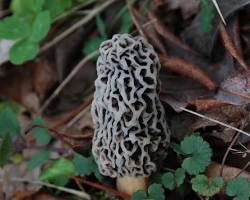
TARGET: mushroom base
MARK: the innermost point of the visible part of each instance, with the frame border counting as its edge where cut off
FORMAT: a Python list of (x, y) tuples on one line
[(129, 184)]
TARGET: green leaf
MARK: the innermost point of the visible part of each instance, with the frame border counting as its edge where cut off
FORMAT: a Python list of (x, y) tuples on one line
[(155, 191), (176, 148), (57, 7), (199, 154), (179, 176), (86, 166), (168, 180), (101, 27), (126, 22), (13, 28), (24, 7), (58, 172), (92, 45), (15, 107), (201, 185), (41, 135), (5, 149), (239, 188), (40, 27), (22, 51), (206, 15), (38, 159), (139, 195), (9, 123)]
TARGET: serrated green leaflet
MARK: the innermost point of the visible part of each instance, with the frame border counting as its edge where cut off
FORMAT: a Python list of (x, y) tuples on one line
[(239, 188), (9, 123), (198, 154), (201, 185), (139, 195), (179, 176), (5, 149), (38, 159), (40, 27), (58, 172), (168, 180), (41, 135), (155, 191), (13, 28), (22, 51), (24, 7)]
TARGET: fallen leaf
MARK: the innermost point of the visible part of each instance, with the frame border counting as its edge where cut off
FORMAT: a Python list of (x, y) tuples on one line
[(228, 172)]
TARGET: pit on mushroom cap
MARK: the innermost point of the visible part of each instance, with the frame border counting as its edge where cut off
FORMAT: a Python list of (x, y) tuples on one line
[(131, 132)]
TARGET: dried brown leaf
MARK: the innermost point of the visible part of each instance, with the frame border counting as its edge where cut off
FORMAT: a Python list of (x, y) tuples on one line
[(188, 69), (231, 48), (206, 104), (228, 172)]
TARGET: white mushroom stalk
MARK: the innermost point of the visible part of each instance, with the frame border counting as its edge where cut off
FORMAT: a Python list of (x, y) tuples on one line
[(131, 132)]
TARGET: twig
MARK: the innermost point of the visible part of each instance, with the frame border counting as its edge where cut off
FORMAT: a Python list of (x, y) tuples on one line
[(215, 121), (67, 79), (102, 187), (227, 152), (219, 11), (77, 25), (129, 5), (243, 169), (80, 194)]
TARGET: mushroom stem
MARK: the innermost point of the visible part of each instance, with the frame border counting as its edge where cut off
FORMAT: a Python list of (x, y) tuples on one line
[(129, 184)]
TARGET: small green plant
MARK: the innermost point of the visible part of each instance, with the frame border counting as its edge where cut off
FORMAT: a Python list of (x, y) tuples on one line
[(28, 26), (196, 156), (57, 171)]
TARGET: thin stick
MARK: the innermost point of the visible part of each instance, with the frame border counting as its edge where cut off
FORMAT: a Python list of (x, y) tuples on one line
[(243, 169), (227, 152), (215, 121), (78, 116), (219, 11), (77, 25), (67, 79), (80, 194)]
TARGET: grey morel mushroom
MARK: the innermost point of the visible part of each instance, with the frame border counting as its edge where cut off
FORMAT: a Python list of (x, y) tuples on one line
[(131, 132)]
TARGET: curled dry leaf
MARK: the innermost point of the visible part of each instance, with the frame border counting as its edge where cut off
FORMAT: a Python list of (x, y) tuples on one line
[(228, 172), (231, 48), (188, 69)]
